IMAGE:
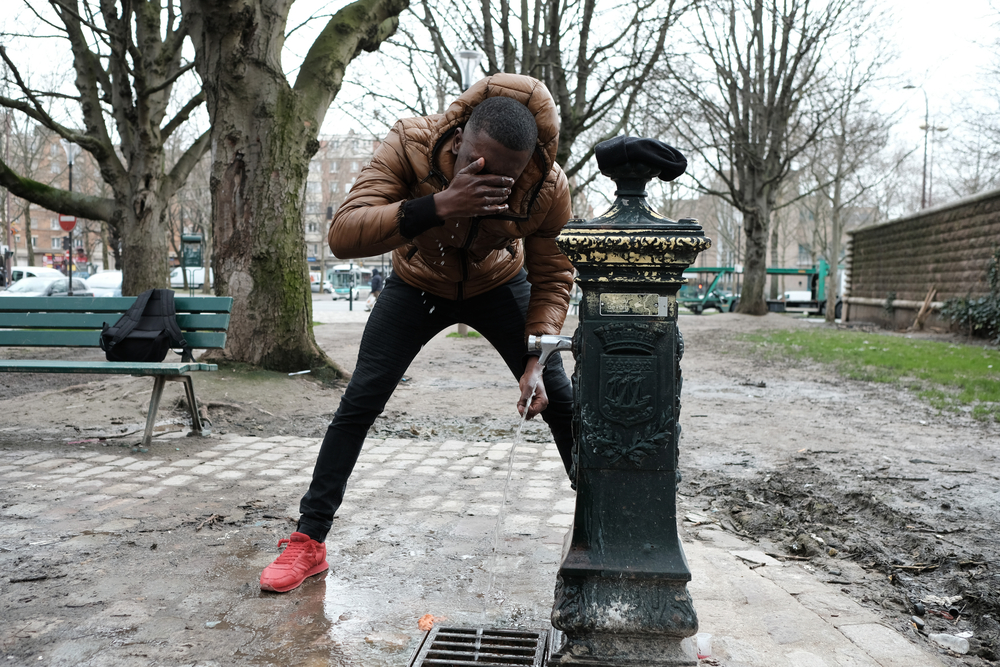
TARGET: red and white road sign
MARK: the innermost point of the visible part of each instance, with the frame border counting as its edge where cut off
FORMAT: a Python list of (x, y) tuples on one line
[(67, 222)]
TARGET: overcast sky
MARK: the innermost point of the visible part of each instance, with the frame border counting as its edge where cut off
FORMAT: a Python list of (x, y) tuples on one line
[(942, 48)]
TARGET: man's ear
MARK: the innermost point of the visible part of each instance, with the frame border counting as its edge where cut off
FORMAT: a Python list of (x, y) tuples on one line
[(456, 141)]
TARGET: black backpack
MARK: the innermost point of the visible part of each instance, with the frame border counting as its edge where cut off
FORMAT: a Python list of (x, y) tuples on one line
[(146, 331)]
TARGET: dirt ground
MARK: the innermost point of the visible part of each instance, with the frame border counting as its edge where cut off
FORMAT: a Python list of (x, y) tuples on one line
[(877, 492)]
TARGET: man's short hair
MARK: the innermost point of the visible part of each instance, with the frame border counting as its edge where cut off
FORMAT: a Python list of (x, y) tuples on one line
[(505, 120)]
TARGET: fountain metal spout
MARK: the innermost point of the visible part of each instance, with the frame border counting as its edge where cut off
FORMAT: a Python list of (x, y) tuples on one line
[(548, 344)]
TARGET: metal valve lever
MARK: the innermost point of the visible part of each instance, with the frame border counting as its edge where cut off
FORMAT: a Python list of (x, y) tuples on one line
[(547, 344)]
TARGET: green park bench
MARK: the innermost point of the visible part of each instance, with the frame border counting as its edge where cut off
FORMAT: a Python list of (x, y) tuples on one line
[(76, 321)]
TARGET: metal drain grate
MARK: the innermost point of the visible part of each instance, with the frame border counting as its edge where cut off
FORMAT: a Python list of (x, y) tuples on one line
[(457, 647)]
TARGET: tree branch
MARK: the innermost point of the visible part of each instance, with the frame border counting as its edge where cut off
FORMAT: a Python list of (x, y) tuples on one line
[(179, 172), (56, 199), (361, 26), (182, 115)]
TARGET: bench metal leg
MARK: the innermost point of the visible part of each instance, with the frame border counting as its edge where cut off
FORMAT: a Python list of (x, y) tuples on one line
[(154, 404), (196, 424), (159, 382)]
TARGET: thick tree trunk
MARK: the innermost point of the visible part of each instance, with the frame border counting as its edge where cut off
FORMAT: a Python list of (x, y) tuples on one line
[(754, 265), (145, 245), (264, 132), (259, 176), (260, 160)]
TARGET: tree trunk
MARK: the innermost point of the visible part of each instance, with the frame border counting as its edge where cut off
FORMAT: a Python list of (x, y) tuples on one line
[(28, 245), (105, 247), (755, 225), (775, 261), (259, 256), (144, 241), (264, 133)]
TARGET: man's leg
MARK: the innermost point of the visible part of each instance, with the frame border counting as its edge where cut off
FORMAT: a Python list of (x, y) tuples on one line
[(398, 327), (500, 316), (400, 324)]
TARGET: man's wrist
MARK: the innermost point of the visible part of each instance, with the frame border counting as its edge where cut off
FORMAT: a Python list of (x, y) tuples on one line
[(418, 215)]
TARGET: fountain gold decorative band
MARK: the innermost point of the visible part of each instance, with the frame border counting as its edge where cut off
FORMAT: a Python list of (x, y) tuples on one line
[(640, 247)]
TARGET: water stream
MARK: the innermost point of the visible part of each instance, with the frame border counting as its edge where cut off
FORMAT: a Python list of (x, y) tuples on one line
[(498, 528)]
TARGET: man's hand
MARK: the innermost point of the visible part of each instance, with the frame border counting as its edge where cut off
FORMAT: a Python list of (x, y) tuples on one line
[(532, 380), (471, 194)]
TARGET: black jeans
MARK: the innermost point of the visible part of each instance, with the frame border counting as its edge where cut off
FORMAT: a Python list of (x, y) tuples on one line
[(402, 321)]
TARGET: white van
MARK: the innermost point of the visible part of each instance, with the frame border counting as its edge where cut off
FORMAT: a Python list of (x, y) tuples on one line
[(19, 272), (195, 276)]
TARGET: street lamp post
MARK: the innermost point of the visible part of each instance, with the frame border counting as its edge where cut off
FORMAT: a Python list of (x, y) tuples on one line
[(927, 128), (72, 150), (467, 61)]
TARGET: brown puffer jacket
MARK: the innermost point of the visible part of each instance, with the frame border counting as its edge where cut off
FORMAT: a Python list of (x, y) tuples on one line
[(467, 256)]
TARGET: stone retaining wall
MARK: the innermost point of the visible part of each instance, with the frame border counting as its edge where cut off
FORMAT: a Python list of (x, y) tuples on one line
[(947, 247)]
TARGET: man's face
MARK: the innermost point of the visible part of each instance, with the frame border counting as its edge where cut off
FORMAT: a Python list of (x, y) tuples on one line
[(500, 160)]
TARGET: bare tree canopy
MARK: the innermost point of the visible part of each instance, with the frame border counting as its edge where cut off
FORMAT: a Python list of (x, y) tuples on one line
[(595, 58), (753, 84), (264, 132), (127, 59)]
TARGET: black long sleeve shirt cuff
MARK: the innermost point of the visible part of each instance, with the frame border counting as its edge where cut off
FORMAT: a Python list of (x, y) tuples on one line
[(417, 216)]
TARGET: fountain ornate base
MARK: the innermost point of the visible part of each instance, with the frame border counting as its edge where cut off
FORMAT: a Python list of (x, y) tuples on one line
[(623, 622)]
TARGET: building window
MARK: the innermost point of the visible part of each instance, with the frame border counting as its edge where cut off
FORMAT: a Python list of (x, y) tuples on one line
[(805, 255), (57, 243), (77, 241), (334, 186), (354, 165), (313, 249), (355, 144), (54, 223), (312, 207), (312, 227), (334, 166), (313, 187), (54, 167)]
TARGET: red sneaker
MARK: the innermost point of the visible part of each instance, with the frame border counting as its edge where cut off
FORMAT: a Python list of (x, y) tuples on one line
[(303, 557)]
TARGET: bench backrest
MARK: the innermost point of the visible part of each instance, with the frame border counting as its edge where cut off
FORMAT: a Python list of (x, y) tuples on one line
[(77, 321)]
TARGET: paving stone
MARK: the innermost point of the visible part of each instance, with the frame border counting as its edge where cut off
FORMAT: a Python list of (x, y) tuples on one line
[(177, 480)]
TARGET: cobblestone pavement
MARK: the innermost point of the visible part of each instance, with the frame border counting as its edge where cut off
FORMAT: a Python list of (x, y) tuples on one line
[(125, 541)]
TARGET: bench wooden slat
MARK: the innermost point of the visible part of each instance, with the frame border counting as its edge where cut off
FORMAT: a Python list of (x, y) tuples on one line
[(108, 304), (104, 367), (199, 340), (199, 321)]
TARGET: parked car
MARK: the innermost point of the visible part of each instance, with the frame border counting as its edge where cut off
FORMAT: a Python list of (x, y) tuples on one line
[(47, 286), (106, 283), (327, 286), (19, 272), (196, 277)]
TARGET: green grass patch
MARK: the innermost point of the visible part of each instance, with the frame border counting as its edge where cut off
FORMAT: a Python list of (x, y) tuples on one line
[(471, 334), (948, 376)]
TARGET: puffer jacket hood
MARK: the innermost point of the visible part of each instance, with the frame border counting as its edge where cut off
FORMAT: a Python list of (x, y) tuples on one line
[(466, 256)]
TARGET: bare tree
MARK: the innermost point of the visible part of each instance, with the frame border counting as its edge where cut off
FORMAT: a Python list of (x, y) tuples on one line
[(28, 142), (855, 134), (595, 58), (264, 132), (126, 60), (752, 85)]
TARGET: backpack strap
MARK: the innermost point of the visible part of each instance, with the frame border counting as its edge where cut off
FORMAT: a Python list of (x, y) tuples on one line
[(129, 320), (170, 317)]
